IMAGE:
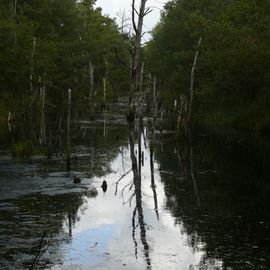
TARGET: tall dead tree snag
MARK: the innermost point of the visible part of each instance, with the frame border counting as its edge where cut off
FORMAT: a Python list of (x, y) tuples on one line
[(137, 23), (91, 97), (192, 79), (32, 64), (42, 118), (68, 129)]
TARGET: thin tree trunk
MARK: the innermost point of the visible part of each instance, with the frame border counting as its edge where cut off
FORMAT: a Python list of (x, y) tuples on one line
[(141, 78), (42, 122), (9, 121), (192, 80), (192, 175), (136, 54), (155, 99), (104, 91), (91, 89), (153, 185), (68, 129), (15, 9), (32, 64)]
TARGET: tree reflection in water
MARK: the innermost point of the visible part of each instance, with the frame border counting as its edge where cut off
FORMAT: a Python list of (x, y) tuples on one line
[(153, 185), (136, 168)]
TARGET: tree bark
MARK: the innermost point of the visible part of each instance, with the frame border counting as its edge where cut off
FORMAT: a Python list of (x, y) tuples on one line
[(136, 52)]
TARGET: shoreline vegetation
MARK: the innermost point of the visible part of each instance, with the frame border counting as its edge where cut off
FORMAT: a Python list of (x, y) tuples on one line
[(51, 47)]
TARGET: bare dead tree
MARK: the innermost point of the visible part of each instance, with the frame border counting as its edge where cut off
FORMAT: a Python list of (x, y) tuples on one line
[(91, 96), (124, 21), (192, 79), (139, 206), (15, 8), (68, 129), (32, 64), (42, 118), (137, 23)]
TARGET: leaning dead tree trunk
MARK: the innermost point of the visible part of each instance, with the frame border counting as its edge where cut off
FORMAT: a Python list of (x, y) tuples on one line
[(192, 80), (136, 48)]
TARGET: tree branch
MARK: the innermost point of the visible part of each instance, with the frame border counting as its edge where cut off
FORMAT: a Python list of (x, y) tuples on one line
[(119, 59), (133, 17)]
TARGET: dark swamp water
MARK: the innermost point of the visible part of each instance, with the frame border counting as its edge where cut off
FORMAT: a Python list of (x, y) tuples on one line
[(203, 205)]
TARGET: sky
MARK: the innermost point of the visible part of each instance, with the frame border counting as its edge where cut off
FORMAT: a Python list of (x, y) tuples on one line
[(113, 7)]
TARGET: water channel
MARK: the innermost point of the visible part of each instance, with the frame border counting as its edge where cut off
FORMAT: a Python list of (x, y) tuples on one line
[(201, 204)]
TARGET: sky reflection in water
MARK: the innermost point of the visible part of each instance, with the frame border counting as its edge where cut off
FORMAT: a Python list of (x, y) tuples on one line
[(102, 236)]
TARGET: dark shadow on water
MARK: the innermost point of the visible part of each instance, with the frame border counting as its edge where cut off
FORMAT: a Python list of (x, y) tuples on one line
[(27, 219), (221, 194)]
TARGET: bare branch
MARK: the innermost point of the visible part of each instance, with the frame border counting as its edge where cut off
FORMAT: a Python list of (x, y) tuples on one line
[(117, 182), (119, 59), (131, 41), (147, 11), (136, 11), (40, 252), (123, 189), (133, 16)]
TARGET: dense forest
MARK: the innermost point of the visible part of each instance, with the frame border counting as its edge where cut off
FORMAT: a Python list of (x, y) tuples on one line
[(232, 78), (48, 47)]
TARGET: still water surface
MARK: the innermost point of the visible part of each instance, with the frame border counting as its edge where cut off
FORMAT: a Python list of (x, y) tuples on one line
[(198, 205)]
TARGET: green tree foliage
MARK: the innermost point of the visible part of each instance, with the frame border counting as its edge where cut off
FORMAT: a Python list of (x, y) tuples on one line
[(232, 77), (55, 41)]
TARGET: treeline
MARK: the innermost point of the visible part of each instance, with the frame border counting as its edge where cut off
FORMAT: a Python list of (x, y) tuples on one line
[(232, 77), (50, 45)]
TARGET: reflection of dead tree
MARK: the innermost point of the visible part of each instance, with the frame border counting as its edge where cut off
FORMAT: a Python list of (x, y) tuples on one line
[(138, 208), (39, 253), (69, 225), (192, 175), (182, 159), (186, 163), (182, 113), (130, 184), (140, 144), (133, 231), (117, 182), (153, 185)]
